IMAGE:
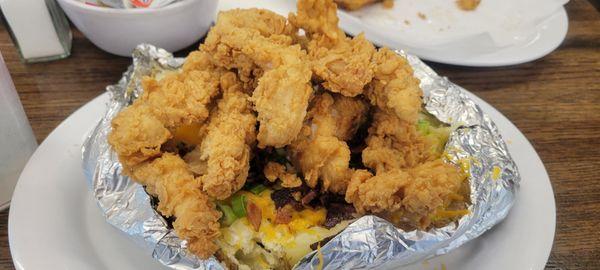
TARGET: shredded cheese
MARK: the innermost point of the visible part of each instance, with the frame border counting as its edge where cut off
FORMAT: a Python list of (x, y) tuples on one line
[(189, 133), (320, 256), (496, 171)]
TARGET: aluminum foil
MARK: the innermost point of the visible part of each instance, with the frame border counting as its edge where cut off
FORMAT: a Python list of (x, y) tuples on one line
[(369, 242)]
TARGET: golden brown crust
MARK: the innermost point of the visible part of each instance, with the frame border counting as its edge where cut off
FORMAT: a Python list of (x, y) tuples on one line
[(178, 99), (394, 144), (343, 64), (414, 193), (259, 42), (394, 88), (375, 194), (274, 171), (180, 195), (230, 137), (320, 151)]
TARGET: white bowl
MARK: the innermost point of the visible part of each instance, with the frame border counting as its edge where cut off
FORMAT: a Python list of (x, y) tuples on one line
[(119, 31)]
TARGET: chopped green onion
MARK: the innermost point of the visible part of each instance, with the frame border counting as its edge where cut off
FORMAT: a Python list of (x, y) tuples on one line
[(423, 126), (228, 215), (258, 189), (238, 204)]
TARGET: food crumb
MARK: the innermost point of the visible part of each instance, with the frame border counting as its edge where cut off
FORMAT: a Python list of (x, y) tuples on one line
[(422, 16), (407, 22), (388, 4), (468, 5)]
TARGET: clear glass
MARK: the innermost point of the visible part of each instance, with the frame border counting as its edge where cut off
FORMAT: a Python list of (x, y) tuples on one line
[(17, 142), (30, 23)]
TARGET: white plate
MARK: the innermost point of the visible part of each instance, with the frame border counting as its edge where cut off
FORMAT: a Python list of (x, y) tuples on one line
[(550, 35), (54, 222)]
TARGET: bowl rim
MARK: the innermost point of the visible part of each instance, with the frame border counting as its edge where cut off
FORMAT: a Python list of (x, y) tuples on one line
[(109, 10)]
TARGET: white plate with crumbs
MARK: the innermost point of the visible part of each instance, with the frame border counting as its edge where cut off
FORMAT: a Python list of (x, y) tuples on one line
[(517, 31), (54, 221), (441, 32)]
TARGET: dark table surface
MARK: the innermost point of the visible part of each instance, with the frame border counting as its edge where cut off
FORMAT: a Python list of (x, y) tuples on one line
[(554, 101)]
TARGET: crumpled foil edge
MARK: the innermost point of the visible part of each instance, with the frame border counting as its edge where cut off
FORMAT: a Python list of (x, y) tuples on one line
[(369, 242)]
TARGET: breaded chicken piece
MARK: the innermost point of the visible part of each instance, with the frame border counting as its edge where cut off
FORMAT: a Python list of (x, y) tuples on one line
[(231, 133), (346, 67), (258, 42), (375, 194), (318, 17), (137, 135), (320, 151), (281, 100), (178, 99), (326, 158), (395, 144), (338, 115), (432, 184), (259, 21), (180, 196), (415, 193), (394, 87), (274, 171), (343, 64)]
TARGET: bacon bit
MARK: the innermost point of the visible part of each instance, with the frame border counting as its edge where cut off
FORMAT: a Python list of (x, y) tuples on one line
[(309, 197), (284, 215), (254, 215)]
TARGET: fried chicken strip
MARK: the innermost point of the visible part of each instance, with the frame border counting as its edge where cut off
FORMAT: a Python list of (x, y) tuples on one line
[(415, 193), (394, 144), (178, 99), (181, 196), (229, 139), (320, 152), (257, 42), (343, 64), (394, 88)]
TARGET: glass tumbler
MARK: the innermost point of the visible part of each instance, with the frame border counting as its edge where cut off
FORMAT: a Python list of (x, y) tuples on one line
[(17, 142)]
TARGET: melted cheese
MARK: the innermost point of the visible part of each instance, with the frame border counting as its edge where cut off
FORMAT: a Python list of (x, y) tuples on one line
[(292, 240), (496, 171), (189, 134)]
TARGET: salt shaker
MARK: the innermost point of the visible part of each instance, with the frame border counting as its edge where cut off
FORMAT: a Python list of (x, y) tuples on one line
[(38, 28), (17, 142)]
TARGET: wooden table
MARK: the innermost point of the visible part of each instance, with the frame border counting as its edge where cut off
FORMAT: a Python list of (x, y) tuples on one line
[(555, 102)]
